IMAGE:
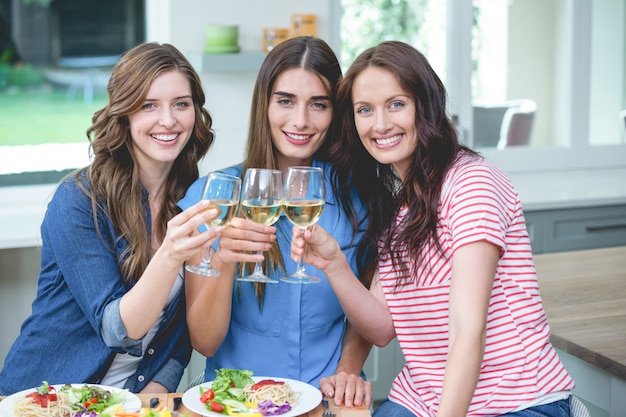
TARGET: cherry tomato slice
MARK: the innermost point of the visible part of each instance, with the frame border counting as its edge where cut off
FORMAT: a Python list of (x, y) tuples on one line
[(207, 396), (265, 382), (217, 407)]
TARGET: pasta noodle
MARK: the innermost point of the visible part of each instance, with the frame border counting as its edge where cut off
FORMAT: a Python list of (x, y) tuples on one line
[(27, 407), (278, 394)]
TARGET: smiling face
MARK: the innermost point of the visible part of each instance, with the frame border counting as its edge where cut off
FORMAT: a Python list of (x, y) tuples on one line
[(299, 113), (161, 128), (384, 115)]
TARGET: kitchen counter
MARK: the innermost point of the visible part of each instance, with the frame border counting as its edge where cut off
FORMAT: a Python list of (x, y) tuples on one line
[(584, 295), (22, 208), (571, 189)]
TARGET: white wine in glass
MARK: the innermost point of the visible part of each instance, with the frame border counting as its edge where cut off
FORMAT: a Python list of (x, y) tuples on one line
[(222, 191), (304, 200), (261, 202)]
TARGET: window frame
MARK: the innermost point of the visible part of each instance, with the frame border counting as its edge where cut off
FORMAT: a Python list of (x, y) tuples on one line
[(579, 154)]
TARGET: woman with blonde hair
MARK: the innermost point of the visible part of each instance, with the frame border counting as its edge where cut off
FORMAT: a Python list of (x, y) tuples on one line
[(110, 305)]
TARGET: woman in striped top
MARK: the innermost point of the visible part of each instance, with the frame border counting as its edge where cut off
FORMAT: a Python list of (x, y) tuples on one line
[(446, 255)]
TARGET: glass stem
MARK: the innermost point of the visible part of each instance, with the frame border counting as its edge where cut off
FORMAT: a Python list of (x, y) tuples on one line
[(206, 259), (257, 267), (300, 268)]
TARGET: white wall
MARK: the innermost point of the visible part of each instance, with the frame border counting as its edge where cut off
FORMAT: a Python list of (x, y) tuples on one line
[(19, 269), (533, 78), (608, 70), (228, 95)]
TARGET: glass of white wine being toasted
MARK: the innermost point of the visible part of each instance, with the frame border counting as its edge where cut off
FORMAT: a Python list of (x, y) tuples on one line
[(304, 200), (222, 191), (261, 202)]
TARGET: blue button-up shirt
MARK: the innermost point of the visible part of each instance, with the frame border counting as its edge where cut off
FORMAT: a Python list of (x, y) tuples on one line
[(298, 331), (75, 327)]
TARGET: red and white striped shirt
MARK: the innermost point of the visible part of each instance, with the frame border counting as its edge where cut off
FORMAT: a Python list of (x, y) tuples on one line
[(477, 203)]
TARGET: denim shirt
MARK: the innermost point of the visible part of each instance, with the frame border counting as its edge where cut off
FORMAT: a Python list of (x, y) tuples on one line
[(298, 331), (75, 327)]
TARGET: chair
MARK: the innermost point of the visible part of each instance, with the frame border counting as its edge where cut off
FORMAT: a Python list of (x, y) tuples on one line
[(517, 124), (487, 122), (578, 408)]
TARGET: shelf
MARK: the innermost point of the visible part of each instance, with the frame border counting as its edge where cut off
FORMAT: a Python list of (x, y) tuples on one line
[(237, 62)]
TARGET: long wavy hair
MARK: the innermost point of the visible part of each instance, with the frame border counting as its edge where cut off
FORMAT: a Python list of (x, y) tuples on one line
[(378, 186), (313, 55), (113, 176)]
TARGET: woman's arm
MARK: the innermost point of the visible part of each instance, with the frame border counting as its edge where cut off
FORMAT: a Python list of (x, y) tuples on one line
[(209, 300), (87, 254), (141, 305), (473, 271), (366, 310)]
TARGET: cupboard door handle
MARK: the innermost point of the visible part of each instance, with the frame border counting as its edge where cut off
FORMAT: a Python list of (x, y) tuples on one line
[(605, 227)]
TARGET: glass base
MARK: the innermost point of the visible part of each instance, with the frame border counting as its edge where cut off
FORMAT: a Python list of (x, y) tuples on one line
[(300, 278), (203, 269), (258, 278)]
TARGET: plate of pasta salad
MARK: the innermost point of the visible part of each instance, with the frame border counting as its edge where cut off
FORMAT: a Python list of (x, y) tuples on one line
[(68, 400), (238, 393)]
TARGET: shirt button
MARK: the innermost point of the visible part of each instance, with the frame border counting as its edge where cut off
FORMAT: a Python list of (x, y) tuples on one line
[(140, 378), (150, 351)]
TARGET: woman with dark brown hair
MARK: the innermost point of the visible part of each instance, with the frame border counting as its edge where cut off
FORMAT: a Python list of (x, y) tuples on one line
[(447, 257), (110, 305), (281, 329)]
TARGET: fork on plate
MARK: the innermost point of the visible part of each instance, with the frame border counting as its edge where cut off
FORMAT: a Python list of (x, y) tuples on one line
[(327, 412)]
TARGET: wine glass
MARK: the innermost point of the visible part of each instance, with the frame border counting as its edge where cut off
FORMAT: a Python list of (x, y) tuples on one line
[(261, 202), (304, 199), (222, 191)]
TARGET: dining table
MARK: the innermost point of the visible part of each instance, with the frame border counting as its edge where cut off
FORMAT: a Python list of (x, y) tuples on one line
[(171, 398), (584, 295), (342, 411)]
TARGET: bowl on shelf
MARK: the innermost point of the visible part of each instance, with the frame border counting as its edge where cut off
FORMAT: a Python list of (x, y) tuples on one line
[(221, 39)]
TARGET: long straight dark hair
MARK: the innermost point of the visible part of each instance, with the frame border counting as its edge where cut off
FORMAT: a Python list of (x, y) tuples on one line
[(313, 55), (377, 184)]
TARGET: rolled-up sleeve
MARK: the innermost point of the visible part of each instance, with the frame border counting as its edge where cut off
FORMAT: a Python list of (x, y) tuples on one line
[(169, 375), (114, 333)]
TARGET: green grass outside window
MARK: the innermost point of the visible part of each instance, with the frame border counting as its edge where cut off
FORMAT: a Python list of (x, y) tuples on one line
[(32, 117)]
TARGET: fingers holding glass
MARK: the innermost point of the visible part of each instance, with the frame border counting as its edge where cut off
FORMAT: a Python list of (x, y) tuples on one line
[(304, 200), (222, 191), (261, 202)]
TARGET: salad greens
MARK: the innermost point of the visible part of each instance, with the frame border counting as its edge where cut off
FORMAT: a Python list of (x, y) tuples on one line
[(228, 378), (89, 398), (227, 389)]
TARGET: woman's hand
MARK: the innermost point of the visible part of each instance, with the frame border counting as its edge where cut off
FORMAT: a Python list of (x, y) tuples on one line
[(182, 240), (242, 239), (316, 246), (347, 389)]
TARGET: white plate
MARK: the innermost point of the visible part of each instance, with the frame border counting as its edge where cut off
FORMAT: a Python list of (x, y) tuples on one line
[(309, 397), (132, 402)]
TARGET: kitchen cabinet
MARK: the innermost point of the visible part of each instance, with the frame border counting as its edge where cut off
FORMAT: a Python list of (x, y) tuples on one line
[(566, 229)]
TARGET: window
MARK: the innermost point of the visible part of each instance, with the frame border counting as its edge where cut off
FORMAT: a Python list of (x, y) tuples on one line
[(553, 68), (55, 59)]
